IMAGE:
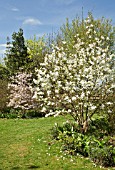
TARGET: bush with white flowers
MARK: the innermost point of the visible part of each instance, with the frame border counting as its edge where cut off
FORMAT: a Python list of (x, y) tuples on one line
[(78, 81)]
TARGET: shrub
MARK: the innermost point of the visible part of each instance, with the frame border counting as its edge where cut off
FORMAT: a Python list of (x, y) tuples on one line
[(103, 156), (3, 94), (10, 113), (100, 127), (33, 113), (99, 148)]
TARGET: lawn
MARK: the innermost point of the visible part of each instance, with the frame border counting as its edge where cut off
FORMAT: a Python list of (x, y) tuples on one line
[(26, 144)]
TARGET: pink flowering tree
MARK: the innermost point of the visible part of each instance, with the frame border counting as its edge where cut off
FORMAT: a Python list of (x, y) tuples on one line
[(78, 77), (21, 92)]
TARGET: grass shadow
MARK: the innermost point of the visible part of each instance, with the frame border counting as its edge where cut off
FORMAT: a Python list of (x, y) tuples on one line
[(33, 167)]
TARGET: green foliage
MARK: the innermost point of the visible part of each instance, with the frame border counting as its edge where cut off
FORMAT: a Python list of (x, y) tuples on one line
[(3, 94), (11, 113), (102, 154), (33, 113), (94, 144), (4, 77), (16, 53), (4, 73), (111, 115), (100, 126), (37, 49), (102, 27)]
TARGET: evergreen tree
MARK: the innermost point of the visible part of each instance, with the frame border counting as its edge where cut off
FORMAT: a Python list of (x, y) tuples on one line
[(16, 53)]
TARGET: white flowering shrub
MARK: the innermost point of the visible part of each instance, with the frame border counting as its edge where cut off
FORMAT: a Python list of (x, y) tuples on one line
[(78, 79), (21, 92)]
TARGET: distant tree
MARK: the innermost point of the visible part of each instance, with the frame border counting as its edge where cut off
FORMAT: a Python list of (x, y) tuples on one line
[(16, 53), (37, 49)]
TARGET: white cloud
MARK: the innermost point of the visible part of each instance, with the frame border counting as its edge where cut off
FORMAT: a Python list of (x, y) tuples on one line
[(66, 2), (31, 21), (15, 9), (12, 8)]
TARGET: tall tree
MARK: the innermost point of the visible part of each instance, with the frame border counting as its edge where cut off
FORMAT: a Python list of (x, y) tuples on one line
[(77, 77), (16, 53)]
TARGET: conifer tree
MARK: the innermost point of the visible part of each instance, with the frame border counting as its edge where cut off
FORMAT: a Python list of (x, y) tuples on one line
[(16, 53)]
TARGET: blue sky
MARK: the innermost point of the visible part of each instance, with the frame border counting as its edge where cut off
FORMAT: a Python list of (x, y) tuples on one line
[(39, 17)]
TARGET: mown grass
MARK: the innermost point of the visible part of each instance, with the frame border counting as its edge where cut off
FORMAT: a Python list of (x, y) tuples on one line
[(26, 144)]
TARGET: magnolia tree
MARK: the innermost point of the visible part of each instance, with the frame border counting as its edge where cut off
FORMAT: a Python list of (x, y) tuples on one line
[(21, 92), (78, 81)]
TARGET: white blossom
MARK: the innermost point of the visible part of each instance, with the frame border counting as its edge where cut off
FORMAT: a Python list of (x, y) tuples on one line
[(77, 79)]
